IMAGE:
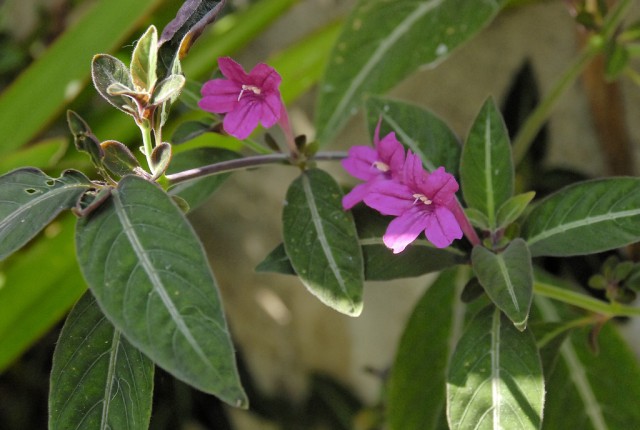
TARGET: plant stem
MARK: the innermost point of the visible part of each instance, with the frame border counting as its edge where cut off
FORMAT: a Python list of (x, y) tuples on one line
[(594, 46), (147, 143), (585, 302), (244, 163)]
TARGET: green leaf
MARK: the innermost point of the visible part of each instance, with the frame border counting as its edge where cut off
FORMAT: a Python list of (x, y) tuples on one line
[(616, 61), (587, 390), (144, 61), (276, 262), (160, 159), (585, 218), (43, 154), (178, 35), (507, 277), (477, 218), (189, 130), (417, 383), (168, 89), (118, 158), (513, 208), (54, 79), (417, 259), (29, 200), (418, 129), (495, 377), (149, 273), (83, 138), (197, 191), (383, 41), (98, 379), (107, 71), (486, 167), (30, 303), (322, 243)]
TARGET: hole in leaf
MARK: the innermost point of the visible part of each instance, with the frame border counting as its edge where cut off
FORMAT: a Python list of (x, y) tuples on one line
[(51, 182), (30, 191)]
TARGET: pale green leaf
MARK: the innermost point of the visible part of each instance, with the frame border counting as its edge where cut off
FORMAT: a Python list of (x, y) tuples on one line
[(150, 275), (486, 166), (144, 61), (98, 379), (585, 218), (495, 377), (513, 208), (507, 277), (321, 240), (383, 41)]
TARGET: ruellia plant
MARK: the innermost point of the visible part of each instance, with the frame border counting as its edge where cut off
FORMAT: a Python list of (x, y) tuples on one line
[(495, 342)]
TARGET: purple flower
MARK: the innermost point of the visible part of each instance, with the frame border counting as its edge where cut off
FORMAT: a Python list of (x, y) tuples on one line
[(369, 164), (421, 201), (247, 99)]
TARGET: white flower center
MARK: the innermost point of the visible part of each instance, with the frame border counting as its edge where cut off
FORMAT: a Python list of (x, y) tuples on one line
[(383, 167), (422, 198), (252, 88)]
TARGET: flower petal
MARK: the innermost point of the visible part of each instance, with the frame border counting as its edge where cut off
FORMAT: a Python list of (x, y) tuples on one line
[(360, 162), (355, 196), (389, 197), (272, 107), (391, 152), (440, 186), (413, 173), (442, 227), (232, 70), (265, 77), (241, 121), (219, 96), (405, 229)]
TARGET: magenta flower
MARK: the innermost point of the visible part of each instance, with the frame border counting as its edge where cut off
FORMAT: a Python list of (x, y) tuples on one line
[(246, 99), (383, 162), (422, 201)]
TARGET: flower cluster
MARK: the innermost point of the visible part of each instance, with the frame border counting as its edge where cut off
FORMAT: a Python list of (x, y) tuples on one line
[(399, 186)]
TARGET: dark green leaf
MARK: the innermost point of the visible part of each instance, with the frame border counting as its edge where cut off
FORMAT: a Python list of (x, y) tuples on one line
[(118, 159), (585, 218), (83, 137), (29, 200), (383, 41), (189, 130), (617, 60), (106, 71), (418, 129), (160, 159), (587, 390), (276, 262), (417, 384), (477, 219), (197, 191), (495, 377), (144, 61), (507, 277), (322, 243), (513, 208), (486, 167), (98, 379), (150, 276), (178, 36)]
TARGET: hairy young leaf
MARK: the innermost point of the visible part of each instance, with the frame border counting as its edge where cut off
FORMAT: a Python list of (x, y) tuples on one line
[(495, 377), (322, 243), (195, 192), (118, 159), (383, 41), (83, 137), (149, 273), (98, 379), (418, 129), (417, 384), (507, 277), (513, 208), (585, 218), (486, 166), (144, 60), (588, 390), (29, 200), (106, 71), (178, 36), (168, 90)]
